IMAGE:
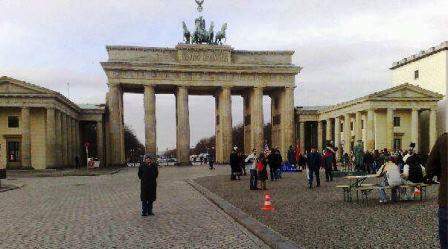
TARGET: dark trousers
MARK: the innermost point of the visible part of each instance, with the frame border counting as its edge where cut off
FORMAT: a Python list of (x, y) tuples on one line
[(443, 227), (146, 207), (328, 175), (253, 179), (273, 173), (310, 176)]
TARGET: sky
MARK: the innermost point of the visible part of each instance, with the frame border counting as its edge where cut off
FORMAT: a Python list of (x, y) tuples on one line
[(344, 47)]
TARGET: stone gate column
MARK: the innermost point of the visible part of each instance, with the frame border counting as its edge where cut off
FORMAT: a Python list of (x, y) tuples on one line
[(183, 126), (256, 128), (51, 138), (73, 141), (58, 147), (223, 131), (358, 127), (26, 137), (116, 125), (150, 119), (414, 129), (390, 129), (246, 123), (347, 134), (328, 131), (320, 131), (370, 130), (69, 141), (337, 136), (302, 137), (286, 120), (64, 139), (99, 142), (77, 140), (432, 128)]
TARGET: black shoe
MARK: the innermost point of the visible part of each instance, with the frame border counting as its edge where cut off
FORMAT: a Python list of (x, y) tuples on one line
[(318, 185), (144, 215), (151, 214)]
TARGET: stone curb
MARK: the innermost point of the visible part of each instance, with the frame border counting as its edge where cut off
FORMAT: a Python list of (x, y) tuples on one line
[(11, 187), (270, 237)]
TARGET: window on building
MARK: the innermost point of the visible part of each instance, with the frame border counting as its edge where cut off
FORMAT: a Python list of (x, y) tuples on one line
[(351, 126), (362, 124), (416, 74), (397, 121), (13, 151), (13, 122), (397, 144), (342, 127)]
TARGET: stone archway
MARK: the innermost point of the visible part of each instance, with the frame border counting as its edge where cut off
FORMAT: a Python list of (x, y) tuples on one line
[(199, 69)]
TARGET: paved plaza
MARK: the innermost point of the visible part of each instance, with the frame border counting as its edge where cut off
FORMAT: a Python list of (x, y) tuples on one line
[(104, 212)]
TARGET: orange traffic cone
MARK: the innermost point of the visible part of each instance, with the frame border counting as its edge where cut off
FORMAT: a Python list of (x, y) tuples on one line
[(267, 202)]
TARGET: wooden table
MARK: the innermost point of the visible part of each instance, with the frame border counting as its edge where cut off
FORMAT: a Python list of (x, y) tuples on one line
[(356, 182)]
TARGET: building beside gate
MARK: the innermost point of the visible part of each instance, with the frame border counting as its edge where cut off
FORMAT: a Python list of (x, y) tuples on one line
[(390, 119), (428, 69), (40, 128)]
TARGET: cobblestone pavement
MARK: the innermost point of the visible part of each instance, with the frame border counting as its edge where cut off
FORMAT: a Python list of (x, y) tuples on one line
[(104, 212)]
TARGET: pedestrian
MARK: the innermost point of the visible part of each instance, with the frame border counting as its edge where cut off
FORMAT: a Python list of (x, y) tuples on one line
[(391, 177), (252, 160), (211, 158), (77, 162), (368, 162), (328, 162), (275, 161), (292, 156), (437, 165), (314, 161), (147, 173), (234, 165), (242, 164), (262, 170)]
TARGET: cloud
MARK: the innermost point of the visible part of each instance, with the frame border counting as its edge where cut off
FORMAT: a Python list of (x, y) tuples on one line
[(345, 47)]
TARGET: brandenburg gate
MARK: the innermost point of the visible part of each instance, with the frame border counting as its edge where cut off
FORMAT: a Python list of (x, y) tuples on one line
[(202, 67)]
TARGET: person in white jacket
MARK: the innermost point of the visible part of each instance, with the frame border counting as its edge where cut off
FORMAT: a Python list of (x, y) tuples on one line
[(391, 173), (252, 159)]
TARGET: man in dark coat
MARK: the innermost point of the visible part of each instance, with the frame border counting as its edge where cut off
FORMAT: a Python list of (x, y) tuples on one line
[(148, 172), (234, 164), (328, 163), (437, 165), (275, 162), (314, 161)]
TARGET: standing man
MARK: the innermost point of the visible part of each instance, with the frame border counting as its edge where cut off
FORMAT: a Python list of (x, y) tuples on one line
[(314, 161), (235, 167), (211, 158), (252, 160), (148, 172), (437, 165)]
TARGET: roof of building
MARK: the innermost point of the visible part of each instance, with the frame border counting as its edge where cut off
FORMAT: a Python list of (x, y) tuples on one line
[(42, 90), (383, 93), (422, 54)]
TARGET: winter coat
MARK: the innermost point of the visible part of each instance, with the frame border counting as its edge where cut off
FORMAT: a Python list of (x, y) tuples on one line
[(291, 156), (415, 173), (437, 165), (263, 174), (328, 160), (148, 181), (275, 160), (314, 161), (235, 162)]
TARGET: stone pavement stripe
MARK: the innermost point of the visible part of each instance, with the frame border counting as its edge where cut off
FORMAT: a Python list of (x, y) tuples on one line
[(104, 212), (270, 237)]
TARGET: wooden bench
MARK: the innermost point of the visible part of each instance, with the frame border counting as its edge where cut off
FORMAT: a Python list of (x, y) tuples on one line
[(347, 191), (420, 186)]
